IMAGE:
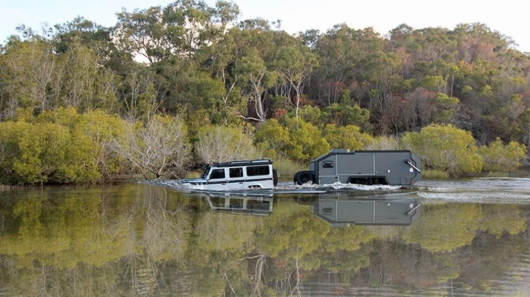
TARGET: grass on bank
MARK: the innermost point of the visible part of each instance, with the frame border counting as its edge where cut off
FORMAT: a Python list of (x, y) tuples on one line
[(287, 169)]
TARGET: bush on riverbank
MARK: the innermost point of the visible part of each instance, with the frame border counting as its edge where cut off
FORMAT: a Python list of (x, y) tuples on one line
[(64, 147), (434, 174)]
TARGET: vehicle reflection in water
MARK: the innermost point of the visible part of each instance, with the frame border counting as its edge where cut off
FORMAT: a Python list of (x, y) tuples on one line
[(342, 209), (257, 205), (338, 208)]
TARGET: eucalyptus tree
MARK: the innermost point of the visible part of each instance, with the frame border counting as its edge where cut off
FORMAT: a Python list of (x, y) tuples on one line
[(252, 66), (295, 63), (82, 83), (337, 50), (86, 32), (254, 71), (344, 57), (180, 29), (35, 75), (355, 61), (175, 41), (219, 59), (28, 69)]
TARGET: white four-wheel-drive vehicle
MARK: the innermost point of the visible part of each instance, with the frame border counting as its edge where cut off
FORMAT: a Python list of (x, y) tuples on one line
[(235, 175)]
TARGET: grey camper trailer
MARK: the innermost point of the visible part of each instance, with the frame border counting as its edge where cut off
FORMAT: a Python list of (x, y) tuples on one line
[(385, 167)]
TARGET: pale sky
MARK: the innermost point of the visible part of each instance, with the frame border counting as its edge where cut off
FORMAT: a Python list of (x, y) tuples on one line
[(509, 17)]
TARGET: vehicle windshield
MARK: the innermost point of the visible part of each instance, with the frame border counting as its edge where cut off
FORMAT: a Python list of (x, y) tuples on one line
[(205, 173)]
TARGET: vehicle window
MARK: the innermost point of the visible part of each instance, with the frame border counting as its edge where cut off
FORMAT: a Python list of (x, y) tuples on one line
[(236, 203), (258, 170), (218, 202), (217, 173), (327, 164), (236, 172), (258, 205)]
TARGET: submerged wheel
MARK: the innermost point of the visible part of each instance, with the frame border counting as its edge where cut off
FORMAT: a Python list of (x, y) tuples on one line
[(296, 177), (303, 177)]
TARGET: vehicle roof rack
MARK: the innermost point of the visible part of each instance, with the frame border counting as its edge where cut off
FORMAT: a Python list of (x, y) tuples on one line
[(244, 162)]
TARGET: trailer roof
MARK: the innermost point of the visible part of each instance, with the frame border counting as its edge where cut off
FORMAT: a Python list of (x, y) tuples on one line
[(348, 152)]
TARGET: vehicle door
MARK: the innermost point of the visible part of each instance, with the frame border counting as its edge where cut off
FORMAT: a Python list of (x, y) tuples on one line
[(217, 176), (235, 176)]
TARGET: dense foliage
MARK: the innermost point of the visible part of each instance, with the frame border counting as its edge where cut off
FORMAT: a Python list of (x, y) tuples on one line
[(303, 94)]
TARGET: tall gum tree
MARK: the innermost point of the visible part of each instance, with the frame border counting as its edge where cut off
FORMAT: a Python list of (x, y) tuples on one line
[(252, 66), (295, 63), (31, 65)]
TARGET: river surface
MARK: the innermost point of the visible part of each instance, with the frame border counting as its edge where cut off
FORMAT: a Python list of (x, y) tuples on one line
[(442, 238)]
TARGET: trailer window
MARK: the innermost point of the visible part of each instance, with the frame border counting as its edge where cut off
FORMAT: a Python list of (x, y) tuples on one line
[(236, 172), (258, 170), (217, 173), (327, 164)]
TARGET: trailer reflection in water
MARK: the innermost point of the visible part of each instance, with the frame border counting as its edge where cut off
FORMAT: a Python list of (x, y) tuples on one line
[(342, 209), (339, 209)]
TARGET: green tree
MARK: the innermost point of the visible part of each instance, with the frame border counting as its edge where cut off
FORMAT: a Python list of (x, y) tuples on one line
[(444, 108), (311, 114), (434, 83), (347, 137), (102, 129), (445, 147), (46, 151), (307, 141), (95, 131), (343, 115), (499, 157), (273, 139)]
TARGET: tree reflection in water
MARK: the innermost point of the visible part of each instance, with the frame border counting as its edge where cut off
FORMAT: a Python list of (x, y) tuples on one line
[(150, 240)]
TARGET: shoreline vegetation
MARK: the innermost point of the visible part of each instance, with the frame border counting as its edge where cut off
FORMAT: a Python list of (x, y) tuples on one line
[(169, 89), (65, 147)]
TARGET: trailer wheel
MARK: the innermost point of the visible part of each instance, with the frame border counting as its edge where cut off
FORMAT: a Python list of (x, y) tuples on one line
[(303, 177), (296, 177)]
